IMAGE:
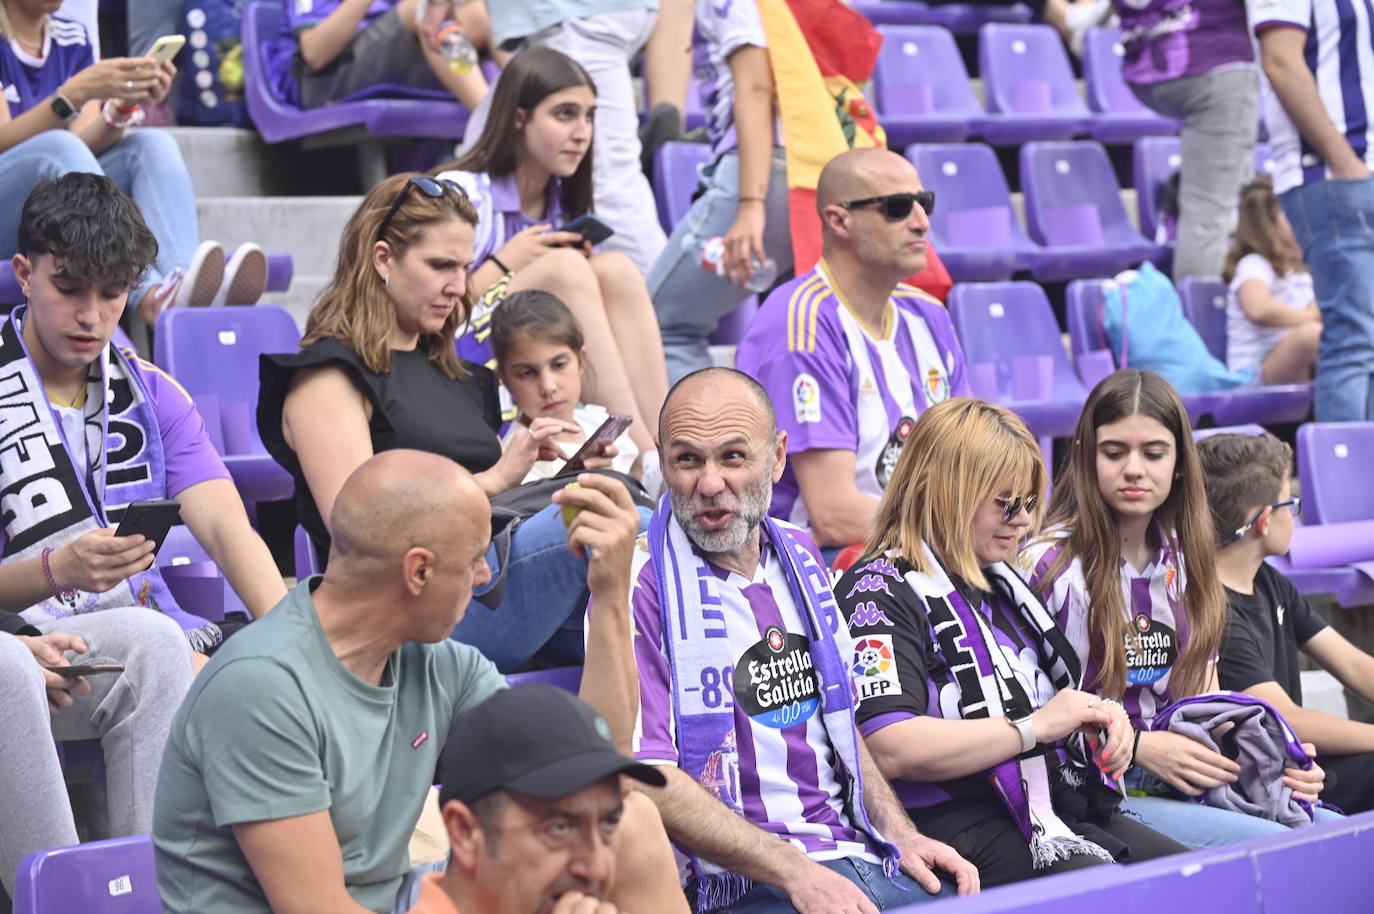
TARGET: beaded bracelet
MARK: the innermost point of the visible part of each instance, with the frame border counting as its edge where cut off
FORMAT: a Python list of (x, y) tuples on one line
[(111, 111), (68, 594)]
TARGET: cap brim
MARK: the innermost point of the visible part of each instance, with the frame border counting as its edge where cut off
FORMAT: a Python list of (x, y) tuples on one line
[(572, 773)]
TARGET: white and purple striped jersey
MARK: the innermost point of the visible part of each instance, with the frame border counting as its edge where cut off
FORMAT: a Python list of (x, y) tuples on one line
[(783, 778), (722, 28), (27, 81), (839, 385), (1152, 601), (1340, 53)]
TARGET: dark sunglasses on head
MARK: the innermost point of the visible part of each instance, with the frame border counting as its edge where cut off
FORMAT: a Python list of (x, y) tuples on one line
[(1012, 506), (430, 187), (1295, 503), (898, 206)]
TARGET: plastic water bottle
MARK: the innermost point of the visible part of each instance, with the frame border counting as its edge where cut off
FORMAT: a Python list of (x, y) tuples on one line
[(455, 48), (710, 255)]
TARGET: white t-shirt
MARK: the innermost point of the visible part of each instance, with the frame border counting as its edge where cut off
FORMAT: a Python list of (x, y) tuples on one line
[(589, 417), (1247, 342)]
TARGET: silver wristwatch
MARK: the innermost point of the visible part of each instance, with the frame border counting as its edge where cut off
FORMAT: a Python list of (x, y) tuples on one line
[(1026, 728)]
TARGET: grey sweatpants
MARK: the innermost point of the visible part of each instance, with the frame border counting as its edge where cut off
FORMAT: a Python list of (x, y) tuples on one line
[(129, 712), (1220, 114)]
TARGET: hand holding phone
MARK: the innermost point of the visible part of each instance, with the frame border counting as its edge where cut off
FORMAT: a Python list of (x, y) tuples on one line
[(87, 669), (610, 430), (166, 48), (151, 518), (592, 229)]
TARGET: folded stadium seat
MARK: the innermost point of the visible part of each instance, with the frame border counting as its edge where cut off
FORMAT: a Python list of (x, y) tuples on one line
[(194, 578), (1153, 162), (974, 226), (677, 168), (1119, 117), (213, 353), (1204, 304), (921, 89), (366, 120), (893, 12), (1074, 210), (1015, 353), (960, 18), (1028, 85), (101, 877)]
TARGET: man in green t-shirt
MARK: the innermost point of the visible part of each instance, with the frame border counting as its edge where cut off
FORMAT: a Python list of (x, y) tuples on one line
[(297, 766)]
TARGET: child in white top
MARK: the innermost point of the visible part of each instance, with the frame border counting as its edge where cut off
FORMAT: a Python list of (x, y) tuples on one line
[(1272, 318), (540, 357)]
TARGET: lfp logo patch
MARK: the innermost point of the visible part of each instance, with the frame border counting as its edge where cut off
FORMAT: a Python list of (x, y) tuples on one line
[(875, 667), (806, 398)]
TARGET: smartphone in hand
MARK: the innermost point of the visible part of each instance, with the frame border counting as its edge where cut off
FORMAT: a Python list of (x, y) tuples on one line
[(591, 228), (152, 518), (166, 48), (87, 669), (611, 429)]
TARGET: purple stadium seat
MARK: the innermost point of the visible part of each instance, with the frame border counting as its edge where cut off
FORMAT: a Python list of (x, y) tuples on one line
[(563, 677), (677, 169), (214, 352), (1250, 429), (1204, 304), (307, 562), (959, 18), (735, 325), (279, 274), (1155, 159), (1119, 117), (364, 120), (1028, 86), (101, 877), (974, 226), (1073, 209), (921, 89), (1333, 464), (1011, 328), (194, 578), (893, 12)]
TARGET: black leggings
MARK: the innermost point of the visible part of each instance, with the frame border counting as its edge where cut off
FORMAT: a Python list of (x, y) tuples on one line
[(1002, 855)]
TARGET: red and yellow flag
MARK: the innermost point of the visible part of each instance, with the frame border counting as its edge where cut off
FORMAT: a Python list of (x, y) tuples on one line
[(821, 51)]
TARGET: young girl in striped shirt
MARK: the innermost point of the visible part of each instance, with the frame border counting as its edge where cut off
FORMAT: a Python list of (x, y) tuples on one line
[(1127, 564)]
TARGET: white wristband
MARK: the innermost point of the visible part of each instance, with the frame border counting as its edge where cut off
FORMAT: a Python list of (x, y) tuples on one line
[(1026, 727)]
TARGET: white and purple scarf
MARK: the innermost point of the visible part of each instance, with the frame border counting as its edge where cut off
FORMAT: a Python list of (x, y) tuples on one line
[(701, 731), (44, 499), (988, 687)]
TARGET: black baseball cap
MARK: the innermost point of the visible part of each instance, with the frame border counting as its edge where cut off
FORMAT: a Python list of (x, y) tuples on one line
[(533, 739)]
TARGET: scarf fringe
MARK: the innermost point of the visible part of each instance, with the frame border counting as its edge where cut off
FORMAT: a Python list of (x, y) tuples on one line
[(721, 889), (1048, 851), (206, 638)]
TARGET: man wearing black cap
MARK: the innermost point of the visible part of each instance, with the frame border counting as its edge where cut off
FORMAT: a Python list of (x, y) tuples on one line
[(532, 805)]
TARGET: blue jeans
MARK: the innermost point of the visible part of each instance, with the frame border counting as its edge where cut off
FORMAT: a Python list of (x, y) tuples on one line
[(544, 603), (690, 301), (1194, 824), (887, 894), (145, 164), (1334, 223)]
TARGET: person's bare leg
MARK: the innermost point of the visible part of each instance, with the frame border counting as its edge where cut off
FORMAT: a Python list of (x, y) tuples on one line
[(635, 326), (668, 54), (470, 87), (646, 877), (567, 274), (1294, 357)]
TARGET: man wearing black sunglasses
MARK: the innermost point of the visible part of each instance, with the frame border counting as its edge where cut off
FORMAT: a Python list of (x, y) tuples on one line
[(850, 354)]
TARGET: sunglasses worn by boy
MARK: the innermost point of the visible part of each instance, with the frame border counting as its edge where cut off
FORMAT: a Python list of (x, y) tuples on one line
[(430, 187), (897, 207), (1012, 506)]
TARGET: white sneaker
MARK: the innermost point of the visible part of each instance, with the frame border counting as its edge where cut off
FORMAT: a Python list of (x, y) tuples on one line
[(245, 278), (203, 277)]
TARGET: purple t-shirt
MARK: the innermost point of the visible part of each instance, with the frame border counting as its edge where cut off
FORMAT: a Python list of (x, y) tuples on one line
[(297, 16), (1169, 39), (838, 385), (188, 455), (27, 81)]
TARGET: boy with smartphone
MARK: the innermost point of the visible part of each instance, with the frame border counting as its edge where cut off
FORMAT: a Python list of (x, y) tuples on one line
[(1250, 492)]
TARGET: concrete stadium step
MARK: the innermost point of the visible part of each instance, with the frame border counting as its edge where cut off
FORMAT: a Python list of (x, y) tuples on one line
[(306, 227)]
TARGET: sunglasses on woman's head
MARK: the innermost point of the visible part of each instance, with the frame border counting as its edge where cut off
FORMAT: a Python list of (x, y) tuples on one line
[(898, 206), (430, 187), (1012, 506)]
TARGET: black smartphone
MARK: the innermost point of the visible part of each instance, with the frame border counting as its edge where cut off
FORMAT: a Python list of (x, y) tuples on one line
[(87, 669), (611, 429), (590, 228), (152, 518)]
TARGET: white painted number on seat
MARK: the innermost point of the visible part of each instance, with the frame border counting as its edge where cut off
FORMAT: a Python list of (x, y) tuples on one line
[(1342, 451), (949, 168), (1062, 166), (121, 885), (1018, 46), (996, 310), (228, 337), (909, 48)]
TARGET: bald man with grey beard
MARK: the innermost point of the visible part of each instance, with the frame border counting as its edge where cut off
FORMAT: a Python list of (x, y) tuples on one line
[(298, 764)]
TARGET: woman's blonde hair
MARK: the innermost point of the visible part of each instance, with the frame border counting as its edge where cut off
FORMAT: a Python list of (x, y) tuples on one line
[(961, 453), (1093, 538), (356, 308)]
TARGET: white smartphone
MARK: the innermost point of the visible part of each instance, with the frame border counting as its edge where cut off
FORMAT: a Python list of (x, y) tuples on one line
[(166, 47)]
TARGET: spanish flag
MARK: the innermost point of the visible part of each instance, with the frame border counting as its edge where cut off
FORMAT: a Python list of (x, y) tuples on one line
[(821, 50)]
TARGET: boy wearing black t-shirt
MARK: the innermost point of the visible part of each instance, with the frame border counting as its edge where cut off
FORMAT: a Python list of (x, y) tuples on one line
[(1249, 489)]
